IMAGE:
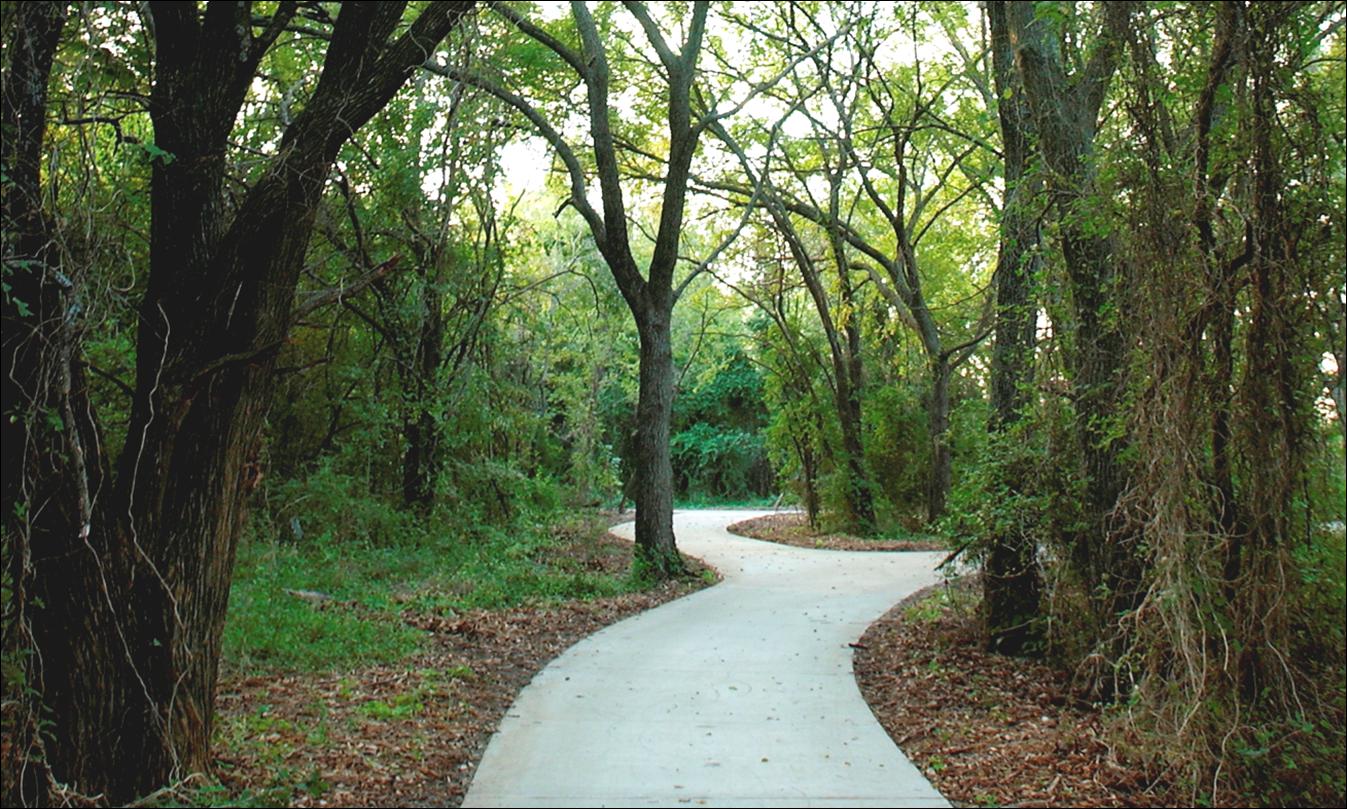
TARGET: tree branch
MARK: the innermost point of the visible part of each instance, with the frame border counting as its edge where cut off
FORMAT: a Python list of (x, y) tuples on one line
[(536, 33), (563, 149), (314, 301)]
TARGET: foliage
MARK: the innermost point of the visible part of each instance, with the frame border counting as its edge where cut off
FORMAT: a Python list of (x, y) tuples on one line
[(717, 445)]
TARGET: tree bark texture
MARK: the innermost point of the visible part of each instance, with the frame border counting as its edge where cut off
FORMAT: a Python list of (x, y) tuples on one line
[(654, 482), (649, 297), (1269, 391), (46, 495), (941, 460), (423, 430), (846, 375), (846, 361), (849, 367)]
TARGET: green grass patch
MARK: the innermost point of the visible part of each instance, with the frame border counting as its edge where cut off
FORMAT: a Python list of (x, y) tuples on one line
[(269, 628), (367, 587), (933, 606)]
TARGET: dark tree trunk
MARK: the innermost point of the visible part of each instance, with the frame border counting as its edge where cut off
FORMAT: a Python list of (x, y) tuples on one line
[(422, 460), (941, 474), (1221, 317), (844, 353), (808, 480), (860, 501), (1269, 390), (653, 484), (849, 368), (1222, 373), (1097, 366), (49, 437), (651, 298), (1011, 584), (133, 599), (423, 430), (1065, 111), (938, 369)]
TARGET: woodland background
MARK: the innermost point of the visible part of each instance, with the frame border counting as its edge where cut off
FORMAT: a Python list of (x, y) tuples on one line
[(363, 298)]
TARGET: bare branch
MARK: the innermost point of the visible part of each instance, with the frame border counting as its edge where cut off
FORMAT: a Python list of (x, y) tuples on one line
[(712, 116), (670, 60), (563, 149), (314, 301)]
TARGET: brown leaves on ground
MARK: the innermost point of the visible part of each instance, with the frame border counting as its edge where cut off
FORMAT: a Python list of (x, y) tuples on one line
[(792, 528), (986, 729), (408, 734)]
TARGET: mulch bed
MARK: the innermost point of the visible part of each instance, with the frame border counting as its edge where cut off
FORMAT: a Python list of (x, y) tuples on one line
[(792, 528), (409, 734), (987, 730)]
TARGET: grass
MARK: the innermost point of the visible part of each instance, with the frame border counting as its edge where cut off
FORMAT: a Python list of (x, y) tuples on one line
[(269, 628), (931, 608), (366, 589)]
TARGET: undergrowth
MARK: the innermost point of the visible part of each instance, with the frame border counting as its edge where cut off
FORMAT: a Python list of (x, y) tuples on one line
[(335, 596)]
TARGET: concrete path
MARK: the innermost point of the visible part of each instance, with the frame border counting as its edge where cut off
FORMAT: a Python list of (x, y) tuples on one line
[(738, 695)]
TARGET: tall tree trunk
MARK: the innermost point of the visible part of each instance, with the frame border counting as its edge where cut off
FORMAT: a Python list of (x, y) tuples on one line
[(1219, 270), (654, 479), (1269, 390), (846, 373), (423, 430), (1011, 585), (937, 396), (1065, 112), (51, 456), (849, 369), (937, 492), (808, 479)]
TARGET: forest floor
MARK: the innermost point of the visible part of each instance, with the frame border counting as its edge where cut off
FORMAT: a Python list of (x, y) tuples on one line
[(985, 729), (408, 733)]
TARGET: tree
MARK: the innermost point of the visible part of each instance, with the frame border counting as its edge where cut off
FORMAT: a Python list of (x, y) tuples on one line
[(845, 376), (1065, 109), (1234, 252), (123, 594), (431, 323), (872, 138), (793, 363), (1010, 580), (650, 295)]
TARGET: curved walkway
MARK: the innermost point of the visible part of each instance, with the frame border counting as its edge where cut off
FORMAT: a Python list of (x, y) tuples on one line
[(738, 695)]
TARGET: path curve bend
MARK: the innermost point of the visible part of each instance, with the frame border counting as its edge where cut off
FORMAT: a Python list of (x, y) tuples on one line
[(741, 694)]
